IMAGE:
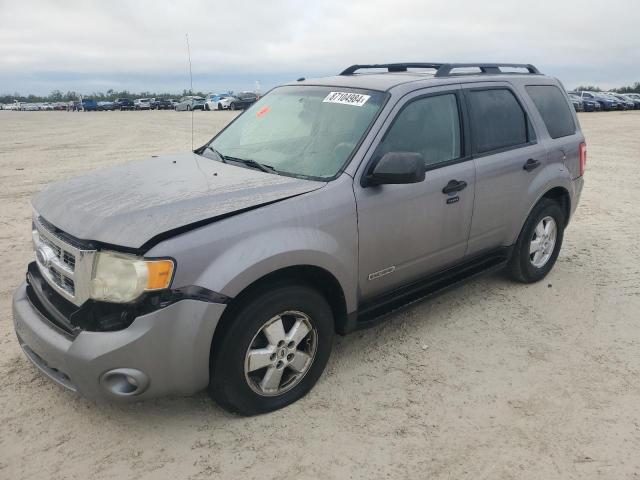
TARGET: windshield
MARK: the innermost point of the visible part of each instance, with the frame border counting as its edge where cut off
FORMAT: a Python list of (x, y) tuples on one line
[(301, 130)]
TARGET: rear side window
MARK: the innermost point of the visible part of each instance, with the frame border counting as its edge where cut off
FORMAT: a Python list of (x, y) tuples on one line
[(497, 119), (428, 125), (553, 109)]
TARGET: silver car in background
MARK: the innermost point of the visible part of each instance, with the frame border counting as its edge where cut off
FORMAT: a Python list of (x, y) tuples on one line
[(142, 104), (190, 103)]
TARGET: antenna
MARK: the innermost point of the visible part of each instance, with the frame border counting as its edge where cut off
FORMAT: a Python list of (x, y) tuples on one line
[(191, 85)]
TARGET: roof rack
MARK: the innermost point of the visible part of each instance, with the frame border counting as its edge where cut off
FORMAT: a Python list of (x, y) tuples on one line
[(443, 69)]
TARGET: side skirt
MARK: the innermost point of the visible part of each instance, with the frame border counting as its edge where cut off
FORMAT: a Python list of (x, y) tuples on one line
[(372, 312)]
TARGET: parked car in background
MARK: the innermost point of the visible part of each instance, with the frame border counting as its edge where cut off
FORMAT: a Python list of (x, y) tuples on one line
[(588, 105), (626, 102), (606, 103), (619, 104), (89, 105), (162, 104), (576, 101), (591, 105), (142, 103), (634, 97), (124, 104), (242, 100), (190, 102), (214, 101), (104, 106)]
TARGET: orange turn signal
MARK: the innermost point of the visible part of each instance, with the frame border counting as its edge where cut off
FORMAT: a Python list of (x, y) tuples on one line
[(159, 274)]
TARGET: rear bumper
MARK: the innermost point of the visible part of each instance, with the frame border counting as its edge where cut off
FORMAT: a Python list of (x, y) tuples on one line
[(170, 346)]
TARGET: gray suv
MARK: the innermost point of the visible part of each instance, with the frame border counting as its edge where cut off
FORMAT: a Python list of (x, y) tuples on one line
[(325, 205)]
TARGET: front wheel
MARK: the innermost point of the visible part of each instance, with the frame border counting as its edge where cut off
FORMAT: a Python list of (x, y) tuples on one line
[(538, 245), (271, 350)]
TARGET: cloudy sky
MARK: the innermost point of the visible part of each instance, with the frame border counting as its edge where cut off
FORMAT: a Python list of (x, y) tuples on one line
[(93, 45)]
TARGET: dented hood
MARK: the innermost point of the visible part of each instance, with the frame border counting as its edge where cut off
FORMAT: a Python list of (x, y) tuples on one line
[(130, 204)]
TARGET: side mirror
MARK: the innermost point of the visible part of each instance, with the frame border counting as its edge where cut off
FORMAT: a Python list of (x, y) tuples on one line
[(398, 168)]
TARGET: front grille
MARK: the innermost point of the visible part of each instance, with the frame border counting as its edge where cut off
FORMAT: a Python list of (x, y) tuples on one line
[(63, 281), (69, 260), (65, 262)]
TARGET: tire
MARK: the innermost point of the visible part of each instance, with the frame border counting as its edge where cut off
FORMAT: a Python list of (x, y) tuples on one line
[(239, 390), (188, 108), (220, 106), (232, 106), (206, 107), (527, 267)]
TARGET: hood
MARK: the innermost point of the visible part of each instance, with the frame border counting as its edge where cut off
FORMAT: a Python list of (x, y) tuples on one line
[(130, 204)]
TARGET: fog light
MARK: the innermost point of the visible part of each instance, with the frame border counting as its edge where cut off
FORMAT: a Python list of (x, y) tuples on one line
[(124, 382)]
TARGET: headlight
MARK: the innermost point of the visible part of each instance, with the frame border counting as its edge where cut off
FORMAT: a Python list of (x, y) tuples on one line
[(122, 278)]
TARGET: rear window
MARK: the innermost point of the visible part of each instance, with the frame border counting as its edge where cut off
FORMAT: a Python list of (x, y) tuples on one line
[(553, 109), (497, 119)]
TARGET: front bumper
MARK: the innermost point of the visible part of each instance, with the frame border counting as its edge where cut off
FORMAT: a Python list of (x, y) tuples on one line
[(170, 346)]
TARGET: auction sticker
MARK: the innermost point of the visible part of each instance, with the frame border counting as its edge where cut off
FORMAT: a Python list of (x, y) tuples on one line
[(347, 98)]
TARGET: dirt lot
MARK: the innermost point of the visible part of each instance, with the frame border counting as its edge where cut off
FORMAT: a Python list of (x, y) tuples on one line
[(493, 380)]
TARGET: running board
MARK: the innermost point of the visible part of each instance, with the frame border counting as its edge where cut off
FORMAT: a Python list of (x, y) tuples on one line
[(370, 313)]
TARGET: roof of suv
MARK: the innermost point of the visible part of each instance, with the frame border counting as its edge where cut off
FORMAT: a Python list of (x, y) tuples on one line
[(400, 73)]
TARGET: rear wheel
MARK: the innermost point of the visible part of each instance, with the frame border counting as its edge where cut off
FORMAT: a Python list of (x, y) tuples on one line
[(272, 350), (539, 243), (232, 106), (206, 107)]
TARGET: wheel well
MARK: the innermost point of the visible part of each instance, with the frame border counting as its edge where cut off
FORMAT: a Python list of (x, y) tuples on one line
[(315, 277), (561, 196)]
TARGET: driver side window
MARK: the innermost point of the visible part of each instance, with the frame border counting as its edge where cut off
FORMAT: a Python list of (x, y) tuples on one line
[(428, 125)]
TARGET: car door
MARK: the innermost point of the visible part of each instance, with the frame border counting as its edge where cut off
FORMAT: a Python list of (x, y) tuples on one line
[(508, 160), (409, 231)]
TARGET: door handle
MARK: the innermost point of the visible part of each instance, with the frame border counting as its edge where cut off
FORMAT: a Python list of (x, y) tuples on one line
[(454, 186), (531, 164)]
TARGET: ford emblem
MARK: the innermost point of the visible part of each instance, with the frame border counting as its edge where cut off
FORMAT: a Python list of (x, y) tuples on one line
[(44, 255)]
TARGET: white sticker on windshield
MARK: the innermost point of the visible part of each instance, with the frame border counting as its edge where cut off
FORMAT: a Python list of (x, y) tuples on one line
[(347, 98)]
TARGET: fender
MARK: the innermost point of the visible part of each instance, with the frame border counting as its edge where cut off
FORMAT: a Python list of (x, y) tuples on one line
[(229, 255), (262, 254)]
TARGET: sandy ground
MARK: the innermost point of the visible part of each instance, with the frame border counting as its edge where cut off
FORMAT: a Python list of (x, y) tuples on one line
[(493, 380)]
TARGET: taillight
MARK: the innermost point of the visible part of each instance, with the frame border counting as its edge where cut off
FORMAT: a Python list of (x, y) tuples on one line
[(583, 157)]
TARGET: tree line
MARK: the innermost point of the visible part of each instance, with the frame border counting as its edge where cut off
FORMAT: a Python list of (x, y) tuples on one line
[(109, 95)]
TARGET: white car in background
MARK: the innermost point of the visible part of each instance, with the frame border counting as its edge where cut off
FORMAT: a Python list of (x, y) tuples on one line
[(217, 101), (142, 104)]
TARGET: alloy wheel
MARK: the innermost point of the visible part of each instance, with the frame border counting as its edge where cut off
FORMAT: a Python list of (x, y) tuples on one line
[(543, 242), (281, 353)]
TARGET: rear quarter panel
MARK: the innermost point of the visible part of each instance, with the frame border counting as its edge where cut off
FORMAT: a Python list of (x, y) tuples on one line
[(562, 166)]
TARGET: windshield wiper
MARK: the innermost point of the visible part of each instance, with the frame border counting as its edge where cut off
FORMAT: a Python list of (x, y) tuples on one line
[(223, 159), (253, 164), (245, 161)]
